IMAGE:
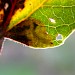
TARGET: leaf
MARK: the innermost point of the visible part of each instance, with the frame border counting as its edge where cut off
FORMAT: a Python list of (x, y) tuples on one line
[(58, 17), (41, 23), (29, 6)]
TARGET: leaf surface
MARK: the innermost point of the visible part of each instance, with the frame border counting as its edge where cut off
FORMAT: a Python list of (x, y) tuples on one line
[(21, 14), (58, 17)]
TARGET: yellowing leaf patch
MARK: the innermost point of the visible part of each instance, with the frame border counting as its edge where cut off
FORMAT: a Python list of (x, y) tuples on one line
[(21, 14)]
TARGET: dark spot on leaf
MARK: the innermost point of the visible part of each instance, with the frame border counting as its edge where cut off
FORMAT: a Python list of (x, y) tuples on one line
[(20, 4), (19, 38), (26, 27), (19, 28), (29, 4), (51, 42), (35, 25)]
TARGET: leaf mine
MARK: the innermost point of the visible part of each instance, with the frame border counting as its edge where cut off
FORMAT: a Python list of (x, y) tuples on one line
[(32, 33)]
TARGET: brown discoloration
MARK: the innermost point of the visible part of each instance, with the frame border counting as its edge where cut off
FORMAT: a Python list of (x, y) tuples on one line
[(20, 4), (1, 16), (32, 33), (21, 32), (1, 12)]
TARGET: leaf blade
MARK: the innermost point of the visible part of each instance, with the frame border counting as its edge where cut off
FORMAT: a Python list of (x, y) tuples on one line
[(59, 16)]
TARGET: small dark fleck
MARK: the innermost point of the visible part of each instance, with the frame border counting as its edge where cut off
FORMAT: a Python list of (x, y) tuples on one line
[(29, 4), (51, 42), (20, 4), (35, 25)]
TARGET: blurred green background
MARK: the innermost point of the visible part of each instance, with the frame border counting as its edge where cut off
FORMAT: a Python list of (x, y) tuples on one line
[(20, 60)]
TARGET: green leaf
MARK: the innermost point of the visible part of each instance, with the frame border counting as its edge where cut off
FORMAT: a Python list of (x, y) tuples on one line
[(58, 17)]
